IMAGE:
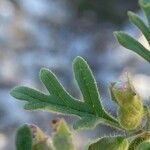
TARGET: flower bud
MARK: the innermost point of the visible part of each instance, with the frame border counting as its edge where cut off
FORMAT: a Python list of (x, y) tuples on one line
[(122, 92), (62, 138), (43, 145), (130, 117), (130, 111), (40, 140)]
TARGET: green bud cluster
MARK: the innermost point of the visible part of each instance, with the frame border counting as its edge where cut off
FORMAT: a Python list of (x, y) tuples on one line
[(130, 107), (31, 137), (40, 140)]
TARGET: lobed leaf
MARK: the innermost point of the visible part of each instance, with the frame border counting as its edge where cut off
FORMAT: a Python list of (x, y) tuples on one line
[(32, 95), (54, 87), (38, 100), (61, 101), (144, 146)]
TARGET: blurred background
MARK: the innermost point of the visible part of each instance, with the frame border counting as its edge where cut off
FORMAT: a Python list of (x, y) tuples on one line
[(51, 33)]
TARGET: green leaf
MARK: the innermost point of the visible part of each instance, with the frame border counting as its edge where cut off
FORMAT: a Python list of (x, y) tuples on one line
[(110, 143), (31, 95), (86, 122), (62, 138), (61, 101), (144, 146), (132, 44), (89, 89), (140, 24), (54, 87), (145, 5), (140, 138), (24, 138), (87, 85), (37, 100)]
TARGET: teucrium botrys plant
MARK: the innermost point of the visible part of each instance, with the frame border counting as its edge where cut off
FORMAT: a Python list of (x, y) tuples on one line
[(130, 113), (129, 42)]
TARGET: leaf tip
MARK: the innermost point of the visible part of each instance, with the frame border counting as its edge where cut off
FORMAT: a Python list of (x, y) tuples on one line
[(130, 13), (13, 92), (117, 34), (42, 71)]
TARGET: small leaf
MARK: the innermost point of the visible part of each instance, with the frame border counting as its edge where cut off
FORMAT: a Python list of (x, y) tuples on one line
[(31, 95), (110, 143), (89, 89), (144, 146), (24, 138), (138, 140), (140, 24), (145, 5), (39, 100), (130, 43)]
